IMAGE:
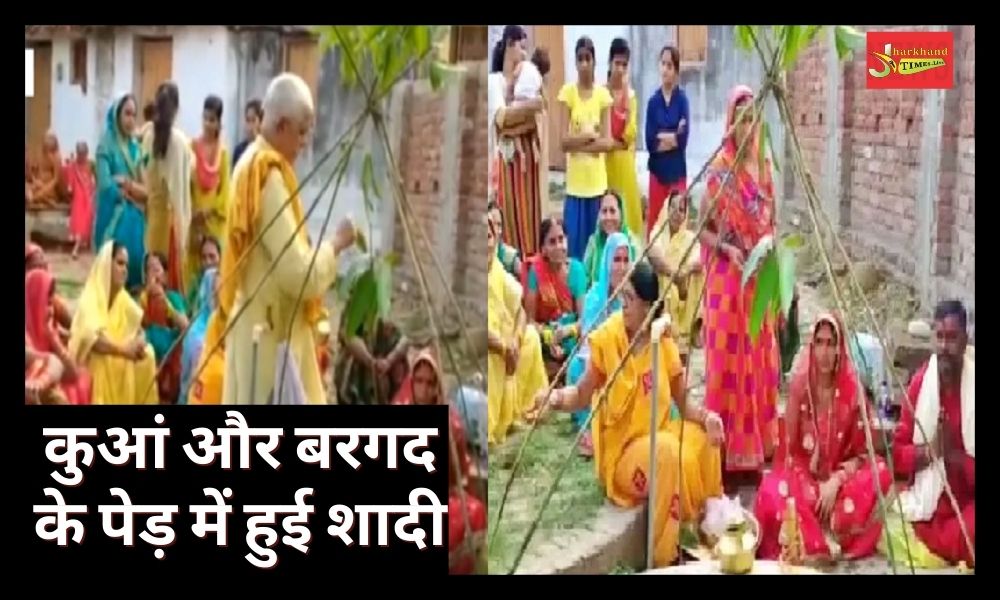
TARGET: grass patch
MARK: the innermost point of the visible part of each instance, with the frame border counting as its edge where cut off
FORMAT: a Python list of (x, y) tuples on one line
[(573, 506), (67, 288), (622, 569)]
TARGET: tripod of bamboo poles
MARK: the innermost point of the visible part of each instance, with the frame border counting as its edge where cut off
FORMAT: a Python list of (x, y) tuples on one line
[(814, 206), (407, 215), (602, 396)]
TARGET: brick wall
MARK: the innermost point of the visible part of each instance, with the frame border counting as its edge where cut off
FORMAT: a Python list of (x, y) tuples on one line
[(455, 225), (881, 171)]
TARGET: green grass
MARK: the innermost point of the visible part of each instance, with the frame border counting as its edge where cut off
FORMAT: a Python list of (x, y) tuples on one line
[(67, 288), (622, 569), (573, 506)]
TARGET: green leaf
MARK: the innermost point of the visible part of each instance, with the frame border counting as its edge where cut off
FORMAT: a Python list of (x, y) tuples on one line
[(443, 73), (847, 40), (793, 241), (786, 277), (363, 302), (383, 282), (744, 37), (361, 241), (758, 253), (421, 37), (764, 295), (791, 45), (770, 147), (368, 185), (810, 34)]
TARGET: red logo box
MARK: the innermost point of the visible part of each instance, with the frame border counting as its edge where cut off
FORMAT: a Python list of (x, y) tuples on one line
[(910, 60)]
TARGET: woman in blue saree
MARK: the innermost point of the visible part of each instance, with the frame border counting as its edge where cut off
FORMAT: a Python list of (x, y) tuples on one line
[(195, 338), (615, 261), (120, 192)]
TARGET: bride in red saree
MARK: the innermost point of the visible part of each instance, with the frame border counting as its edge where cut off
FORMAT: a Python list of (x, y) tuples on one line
[(823, 461)]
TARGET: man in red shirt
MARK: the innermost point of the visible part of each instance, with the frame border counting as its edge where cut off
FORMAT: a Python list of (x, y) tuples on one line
[(946, 409)]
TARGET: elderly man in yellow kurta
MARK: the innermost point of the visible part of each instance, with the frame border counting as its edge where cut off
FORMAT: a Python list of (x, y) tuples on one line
[(263, 181)]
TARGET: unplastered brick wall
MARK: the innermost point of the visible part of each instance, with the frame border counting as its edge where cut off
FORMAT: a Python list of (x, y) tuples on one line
[(880, 135), (443, 160)]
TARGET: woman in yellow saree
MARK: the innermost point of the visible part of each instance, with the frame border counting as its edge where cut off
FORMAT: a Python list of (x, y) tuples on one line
[(515, 369), (107, 336), (621, 425), (683, 301), (620, 162), (211, 187)]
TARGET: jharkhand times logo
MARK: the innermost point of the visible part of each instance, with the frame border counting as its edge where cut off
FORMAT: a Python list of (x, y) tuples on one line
[(911, 61)]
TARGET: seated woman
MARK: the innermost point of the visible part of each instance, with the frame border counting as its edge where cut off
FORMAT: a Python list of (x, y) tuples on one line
[(425, 386), (371, 372), (48, 185), (610, 220), (107, 337), (621, 425), (515, 368), (211, 254), (684, 299), (195, 338), (34, 258), (164, 318), (509, 256), (618, 255), (823, 464), (43, 334), (556, 284), (42, 374)]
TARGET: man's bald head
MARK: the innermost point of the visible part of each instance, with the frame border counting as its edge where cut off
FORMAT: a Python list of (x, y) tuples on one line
[(288, 114)]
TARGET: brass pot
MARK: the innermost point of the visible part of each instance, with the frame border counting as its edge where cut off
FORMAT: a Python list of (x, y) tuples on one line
[(735, 550)]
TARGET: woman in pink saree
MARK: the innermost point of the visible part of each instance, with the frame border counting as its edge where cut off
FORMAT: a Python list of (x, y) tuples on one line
[(43, 336), (823, 461), (742, 374)]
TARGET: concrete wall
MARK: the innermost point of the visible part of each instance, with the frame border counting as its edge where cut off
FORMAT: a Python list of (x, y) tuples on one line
[(200, 69), (71, 107), (897, 167)]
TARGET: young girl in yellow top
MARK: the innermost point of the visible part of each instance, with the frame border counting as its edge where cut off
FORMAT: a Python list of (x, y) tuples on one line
[(621, 424), (586, 136)]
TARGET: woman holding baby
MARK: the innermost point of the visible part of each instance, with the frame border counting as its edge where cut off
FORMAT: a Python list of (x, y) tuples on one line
[(516, 173)]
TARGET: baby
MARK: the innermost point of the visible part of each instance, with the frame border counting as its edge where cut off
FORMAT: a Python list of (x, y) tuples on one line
[(529, 80), (529, 75)]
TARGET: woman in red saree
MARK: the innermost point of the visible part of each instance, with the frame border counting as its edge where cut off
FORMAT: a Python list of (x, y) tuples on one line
[(34, 258), (43, 334), (742, 375), (424, 385), (823, 462), (555, 286), (82, 185)]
